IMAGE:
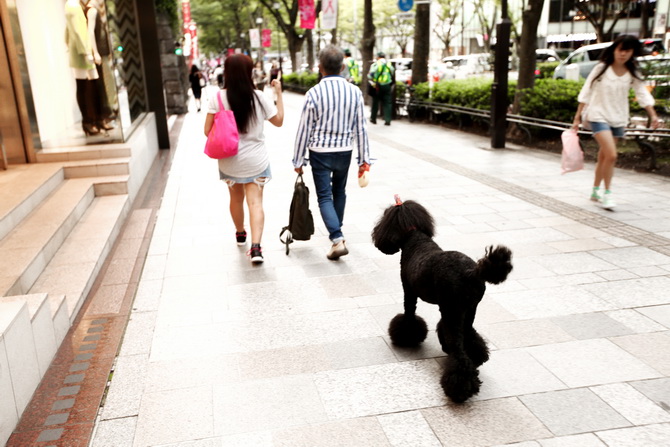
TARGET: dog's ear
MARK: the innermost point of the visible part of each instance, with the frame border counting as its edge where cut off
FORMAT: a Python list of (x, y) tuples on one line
[(386, 235), (417, 216)]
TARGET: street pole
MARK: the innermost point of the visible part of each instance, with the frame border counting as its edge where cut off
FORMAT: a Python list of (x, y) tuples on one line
[(499, 100), (276, 6)]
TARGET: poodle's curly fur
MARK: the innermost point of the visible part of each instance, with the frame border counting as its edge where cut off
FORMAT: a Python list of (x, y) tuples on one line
[(449, 279)]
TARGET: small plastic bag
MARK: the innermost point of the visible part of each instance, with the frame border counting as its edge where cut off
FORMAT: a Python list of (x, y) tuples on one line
[(572, 157)]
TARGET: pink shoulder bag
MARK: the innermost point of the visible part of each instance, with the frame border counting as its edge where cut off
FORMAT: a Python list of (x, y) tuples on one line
[(223, 138)]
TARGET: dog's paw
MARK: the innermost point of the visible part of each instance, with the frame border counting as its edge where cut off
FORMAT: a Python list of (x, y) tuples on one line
[(460, 381), (407, 331)]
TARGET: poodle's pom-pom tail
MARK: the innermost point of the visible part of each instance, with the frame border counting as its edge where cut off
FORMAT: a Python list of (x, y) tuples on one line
[(407, 331), (495, 265), (460, 380)]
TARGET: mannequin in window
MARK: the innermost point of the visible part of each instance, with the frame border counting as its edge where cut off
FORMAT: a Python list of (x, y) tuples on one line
[(81, 62), (100, 46)]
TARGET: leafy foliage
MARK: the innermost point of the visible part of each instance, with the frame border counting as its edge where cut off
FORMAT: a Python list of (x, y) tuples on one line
[(547, 69), (169, 8)]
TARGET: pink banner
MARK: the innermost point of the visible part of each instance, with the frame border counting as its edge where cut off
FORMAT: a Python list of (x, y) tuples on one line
[(307, 14), (266, 38)]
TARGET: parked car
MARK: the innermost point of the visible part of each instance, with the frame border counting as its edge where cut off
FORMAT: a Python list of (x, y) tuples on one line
[(440, 71), (403, 69), (469, 64), (588, 56), (547, 55)]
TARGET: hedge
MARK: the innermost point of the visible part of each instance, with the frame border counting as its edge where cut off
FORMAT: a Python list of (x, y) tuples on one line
[(552, 99)]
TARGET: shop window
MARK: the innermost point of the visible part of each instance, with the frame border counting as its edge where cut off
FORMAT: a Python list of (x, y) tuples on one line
[(84, 70)]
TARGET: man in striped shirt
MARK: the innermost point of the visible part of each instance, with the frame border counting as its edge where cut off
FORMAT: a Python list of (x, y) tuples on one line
[(333, 117)]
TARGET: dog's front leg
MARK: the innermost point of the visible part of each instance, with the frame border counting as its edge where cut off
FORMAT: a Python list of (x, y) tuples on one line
[(408, 329)]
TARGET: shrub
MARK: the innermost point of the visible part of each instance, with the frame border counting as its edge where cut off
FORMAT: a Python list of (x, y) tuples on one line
[(552, 99), (308, 79), (547, 69)]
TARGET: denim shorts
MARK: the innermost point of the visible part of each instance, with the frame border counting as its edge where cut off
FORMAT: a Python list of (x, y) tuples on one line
[(230, 180), (600, 127)]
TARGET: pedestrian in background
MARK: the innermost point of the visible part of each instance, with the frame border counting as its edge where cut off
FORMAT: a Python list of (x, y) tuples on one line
[(197, 81), (604, 99), (351, 71), (333, 117), (381, 75), (247, 172), (259, 76)]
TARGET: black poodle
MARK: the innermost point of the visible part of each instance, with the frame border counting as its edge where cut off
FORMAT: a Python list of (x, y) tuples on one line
[(449, 279)]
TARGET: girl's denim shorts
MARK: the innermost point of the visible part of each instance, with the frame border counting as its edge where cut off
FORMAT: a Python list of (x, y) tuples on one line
[(260, 179), (600, 127)]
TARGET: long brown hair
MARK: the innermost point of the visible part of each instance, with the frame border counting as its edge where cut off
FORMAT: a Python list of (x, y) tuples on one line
[(627, 42), (240, 90)]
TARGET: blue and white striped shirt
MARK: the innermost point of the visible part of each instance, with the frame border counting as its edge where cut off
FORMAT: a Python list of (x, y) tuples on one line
[(333, 116)]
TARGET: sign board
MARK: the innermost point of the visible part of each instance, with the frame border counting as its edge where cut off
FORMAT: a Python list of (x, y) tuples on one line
[(405, 15), (255, 37), (405, 5)]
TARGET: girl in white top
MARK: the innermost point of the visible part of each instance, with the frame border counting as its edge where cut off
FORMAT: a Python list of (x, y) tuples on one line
[(605, 92), (247, 172)]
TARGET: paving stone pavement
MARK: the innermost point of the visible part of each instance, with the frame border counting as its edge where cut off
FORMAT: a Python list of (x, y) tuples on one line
[(295, 352)]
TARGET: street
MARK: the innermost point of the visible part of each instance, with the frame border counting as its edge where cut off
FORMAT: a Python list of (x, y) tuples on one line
[(295, 352)]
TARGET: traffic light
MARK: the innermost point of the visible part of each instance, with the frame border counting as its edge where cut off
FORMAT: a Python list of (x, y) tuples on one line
[(178, 50)]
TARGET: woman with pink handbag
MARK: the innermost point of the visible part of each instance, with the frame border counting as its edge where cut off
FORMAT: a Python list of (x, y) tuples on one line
[(247, 172)]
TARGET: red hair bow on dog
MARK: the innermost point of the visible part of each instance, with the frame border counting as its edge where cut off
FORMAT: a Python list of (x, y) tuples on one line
[(398, 202)]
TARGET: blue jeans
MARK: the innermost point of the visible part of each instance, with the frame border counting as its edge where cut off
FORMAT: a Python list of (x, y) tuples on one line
[(330, 170)]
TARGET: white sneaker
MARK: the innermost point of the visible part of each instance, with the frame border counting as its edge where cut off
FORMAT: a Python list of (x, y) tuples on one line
[(608, 202), (337, 250), (595, 197)]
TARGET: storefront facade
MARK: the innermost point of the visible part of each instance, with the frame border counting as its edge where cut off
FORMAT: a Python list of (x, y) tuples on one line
[(76, 73)]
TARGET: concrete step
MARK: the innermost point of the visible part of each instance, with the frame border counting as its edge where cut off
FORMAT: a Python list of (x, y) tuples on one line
[(27, 249), (22, 189), (76, 264), (31, 329), (97, 168), (92, 152)]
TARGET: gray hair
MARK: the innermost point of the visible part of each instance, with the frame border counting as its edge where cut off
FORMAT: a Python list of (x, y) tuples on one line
[(330, 59)]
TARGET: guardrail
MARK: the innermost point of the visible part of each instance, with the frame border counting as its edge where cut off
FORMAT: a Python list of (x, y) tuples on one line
[(644, 137)]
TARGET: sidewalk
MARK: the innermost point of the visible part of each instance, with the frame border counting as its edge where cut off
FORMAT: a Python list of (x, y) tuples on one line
[(295, 352)]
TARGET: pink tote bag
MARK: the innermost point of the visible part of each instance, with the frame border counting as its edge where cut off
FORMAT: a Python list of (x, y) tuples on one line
[(223, 139), (572, 157)]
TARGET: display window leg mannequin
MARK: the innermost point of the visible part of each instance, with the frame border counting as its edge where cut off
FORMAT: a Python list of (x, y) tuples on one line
[(87, 100)]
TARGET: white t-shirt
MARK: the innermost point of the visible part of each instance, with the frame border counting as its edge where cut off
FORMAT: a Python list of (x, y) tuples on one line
[(252, 157), (607, 98)]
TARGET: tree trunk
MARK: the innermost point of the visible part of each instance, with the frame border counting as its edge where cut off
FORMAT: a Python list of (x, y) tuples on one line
[(294, 46), (310, 48), (421, 44), (367, 44), (644, 28), (527, 58)]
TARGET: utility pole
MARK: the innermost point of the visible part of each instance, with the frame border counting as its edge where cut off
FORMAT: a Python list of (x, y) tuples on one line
[(499, 100)]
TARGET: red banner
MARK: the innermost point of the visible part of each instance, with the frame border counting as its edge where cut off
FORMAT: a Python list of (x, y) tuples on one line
[(186, 11), (266, 38), (307, 14)]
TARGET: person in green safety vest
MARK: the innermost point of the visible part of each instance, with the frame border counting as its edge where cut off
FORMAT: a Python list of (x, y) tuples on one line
[(381, 77), (351, 71)]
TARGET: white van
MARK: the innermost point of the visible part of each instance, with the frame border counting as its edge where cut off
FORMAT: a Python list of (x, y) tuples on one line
[(468, 64)]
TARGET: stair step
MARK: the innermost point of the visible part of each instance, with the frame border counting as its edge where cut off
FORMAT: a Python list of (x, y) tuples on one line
[(22, 189), (28, 248), (60, 316), (111, 185), (44, 336), (97, 168), (83, 153), (77, 263), (17, 340)]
